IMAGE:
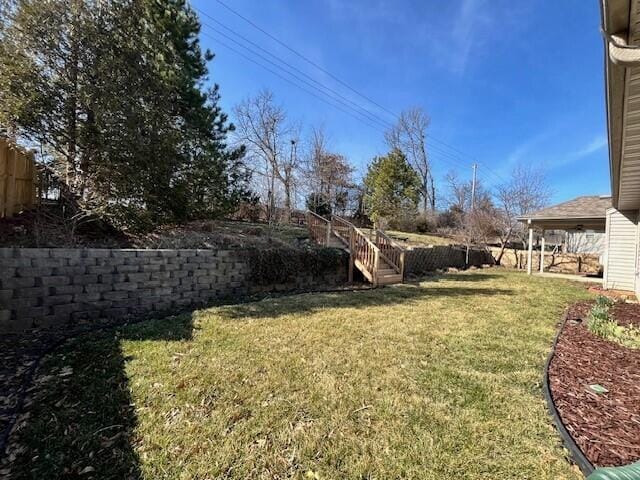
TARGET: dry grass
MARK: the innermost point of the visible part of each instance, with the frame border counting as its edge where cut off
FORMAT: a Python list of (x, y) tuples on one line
[(437, 380), (416, 239)]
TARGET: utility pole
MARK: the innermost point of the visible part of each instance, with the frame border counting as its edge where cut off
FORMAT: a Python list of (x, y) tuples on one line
[(473, 205), (473, 187)]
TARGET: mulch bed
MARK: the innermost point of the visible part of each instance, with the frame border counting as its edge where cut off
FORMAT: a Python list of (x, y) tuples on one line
[(605, 426)]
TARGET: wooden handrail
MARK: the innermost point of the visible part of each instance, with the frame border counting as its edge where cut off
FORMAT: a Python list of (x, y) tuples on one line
[(319, 228), (355, 229), (391, 251), (365, 253), (363, 250), (391, 240)]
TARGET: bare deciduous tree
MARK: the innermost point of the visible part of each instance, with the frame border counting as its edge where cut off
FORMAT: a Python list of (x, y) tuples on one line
[(476, 223), (459, 192), (271, 141), (526, 191), (328, 174), (409, 136)]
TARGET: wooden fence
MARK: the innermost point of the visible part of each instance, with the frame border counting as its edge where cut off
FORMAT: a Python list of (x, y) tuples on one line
[(18, 179)]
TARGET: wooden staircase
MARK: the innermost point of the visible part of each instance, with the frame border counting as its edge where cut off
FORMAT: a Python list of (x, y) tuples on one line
[(380, 260)]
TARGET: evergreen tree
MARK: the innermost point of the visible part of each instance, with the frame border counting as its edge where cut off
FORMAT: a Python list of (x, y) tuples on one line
[(392, 187), (116, 91)]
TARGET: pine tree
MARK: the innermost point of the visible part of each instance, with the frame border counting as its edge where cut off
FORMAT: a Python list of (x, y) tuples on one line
[(116, 91), (392, 187)]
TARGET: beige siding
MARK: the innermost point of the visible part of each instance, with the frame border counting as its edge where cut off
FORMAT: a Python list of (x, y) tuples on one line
[(629, 194), (622, 238)]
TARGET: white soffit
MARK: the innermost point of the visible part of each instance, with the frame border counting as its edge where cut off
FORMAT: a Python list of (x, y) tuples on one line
[(629, 192)]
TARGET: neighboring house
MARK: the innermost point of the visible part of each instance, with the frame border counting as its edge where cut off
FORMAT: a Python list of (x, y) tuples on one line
[(588, 241), (583, 219), (621, 31)]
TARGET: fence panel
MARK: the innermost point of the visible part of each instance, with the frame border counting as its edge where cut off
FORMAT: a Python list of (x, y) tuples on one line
[(423, 260), (17, 179)]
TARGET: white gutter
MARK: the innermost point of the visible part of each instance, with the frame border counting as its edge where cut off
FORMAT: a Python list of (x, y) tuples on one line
[(620, 52)]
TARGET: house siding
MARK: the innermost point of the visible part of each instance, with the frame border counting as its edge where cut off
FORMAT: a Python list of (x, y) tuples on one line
[(622, 246), (585, 242)]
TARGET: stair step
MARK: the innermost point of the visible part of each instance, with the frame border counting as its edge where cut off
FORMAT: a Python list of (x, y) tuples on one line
[(387, 271), (389, 279)]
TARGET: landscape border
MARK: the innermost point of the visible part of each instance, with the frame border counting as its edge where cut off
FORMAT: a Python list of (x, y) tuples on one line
[(577, 456)]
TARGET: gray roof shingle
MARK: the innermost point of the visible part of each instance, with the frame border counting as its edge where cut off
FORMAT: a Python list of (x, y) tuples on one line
[(593, 206)]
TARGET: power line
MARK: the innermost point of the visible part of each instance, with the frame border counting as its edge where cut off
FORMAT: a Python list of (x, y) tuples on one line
[(440, 154), (362, 110), (287, 72), (306, 59), (334, 77), (445, 144), (290, 81), (436, 153)]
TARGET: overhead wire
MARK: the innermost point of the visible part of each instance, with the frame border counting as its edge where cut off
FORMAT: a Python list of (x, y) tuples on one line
[(319, 84), (445, 149), (306, 59), (246, 57)]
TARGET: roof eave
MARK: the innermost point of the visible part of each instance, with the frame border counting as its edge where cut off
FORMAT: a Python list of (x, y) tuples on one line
[(560, 219), (615, 19)]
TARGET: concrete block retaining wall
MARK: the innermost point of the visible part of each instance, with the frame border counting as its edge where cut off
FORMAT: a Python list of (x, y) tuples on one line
[(56, 287)]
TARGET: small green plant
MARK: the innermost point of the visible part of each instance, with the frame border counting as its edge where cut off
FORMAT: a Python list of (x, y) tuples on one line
[(601, 324), (603, 301)]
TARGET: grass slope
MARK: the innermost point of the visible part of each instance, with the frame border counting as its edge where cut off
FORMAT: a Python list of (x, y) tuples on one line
[(415, 239), (440, 380)]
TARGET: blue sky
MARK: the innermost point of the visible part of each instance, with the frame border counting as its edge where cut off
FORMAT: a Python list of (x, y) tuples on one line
[(504, 82)]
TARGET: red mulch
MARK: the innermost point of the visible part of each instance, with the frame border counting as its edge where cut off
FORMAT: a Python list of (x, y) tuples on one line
[(614, 294), (606, 426), (627, 314)]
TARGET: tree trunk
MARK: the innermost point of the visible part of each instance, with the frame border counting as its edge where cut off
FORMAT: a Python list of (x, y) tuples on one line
[(71, 114), (503, 245), (433, 194)]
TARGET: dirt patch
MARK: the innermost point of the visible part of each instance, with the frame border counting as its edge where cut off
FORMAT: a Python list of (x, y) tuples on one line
[(606, 426), (613, 294), (627, 314), (48, 227)]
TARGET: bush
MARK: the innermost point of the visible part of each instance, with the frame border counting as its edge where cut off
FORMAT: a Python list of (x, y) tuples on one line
[(411, 222), (605, 302), (601, 324), (319, 204), (426, 223), (449, 218), (282, 265)]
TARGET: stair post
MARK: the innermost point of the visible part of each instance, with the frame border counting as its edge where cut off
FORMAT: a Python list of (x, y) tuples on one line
[(328, 232), (352, 244), (402, 265), (376, 262)]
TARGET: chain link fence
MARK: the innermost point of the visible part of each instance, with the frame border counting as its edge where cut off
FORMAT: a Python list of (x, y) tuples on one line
[(422, 260)]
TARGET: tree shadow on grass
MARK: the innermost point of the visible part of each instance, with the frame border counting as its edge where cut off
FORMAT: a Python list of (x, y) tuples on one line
[(81, 420), (313, 302), (466, 277)]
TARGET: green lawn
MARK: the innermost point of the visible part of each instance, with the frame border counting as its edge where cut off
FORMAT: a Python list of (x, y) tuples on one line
[(416, 239), (438, 380)]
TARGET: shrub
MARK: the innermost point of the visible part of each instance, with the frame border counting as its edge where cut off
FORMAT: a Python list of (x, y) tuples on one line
[(426, 223), (449, 218), (282, 265), (604, 301), (601, 324), (319, 204)]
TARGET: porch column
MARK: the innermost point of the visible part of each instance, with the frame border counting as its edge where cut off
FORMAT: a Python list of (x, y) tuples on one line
[(542, 254), (530, 252)]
